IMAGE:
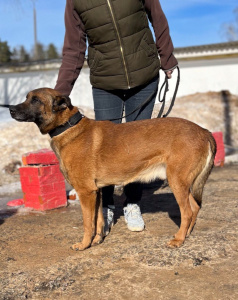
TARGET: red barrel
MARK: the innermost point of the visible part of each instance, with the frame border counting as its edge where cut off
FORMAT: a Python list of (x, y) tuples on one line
[(220, 155)]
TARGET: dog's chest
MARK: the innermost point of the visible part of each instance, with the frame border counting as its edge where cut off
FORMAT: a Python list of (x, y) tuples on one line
[(61, 163)]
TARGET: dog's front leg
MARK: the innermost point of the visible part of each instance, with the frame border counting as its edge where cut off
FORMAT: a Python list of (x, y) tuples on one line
[(88, 206), (99, 221)]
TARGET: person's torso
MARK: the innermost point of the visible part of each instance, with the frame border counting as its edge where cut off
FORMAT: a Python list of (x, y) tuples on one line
[(121, 51)]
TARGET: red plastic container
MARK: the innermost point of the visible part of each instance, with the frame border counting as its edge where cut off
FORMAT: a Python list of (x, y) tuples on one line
[(220, 155), (42, 182)]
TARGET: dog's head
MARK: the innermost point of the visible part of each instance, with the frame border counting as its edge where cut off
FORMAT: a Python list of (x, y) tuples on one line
[(45, 107)]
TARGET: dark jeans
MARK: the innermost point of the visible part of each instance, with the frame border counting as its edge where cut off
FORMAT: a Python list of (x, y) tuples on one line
[(109, 105)]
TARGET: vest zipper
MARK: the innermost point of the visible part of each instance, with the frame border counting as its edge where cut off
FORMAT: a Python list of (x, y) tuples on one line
[(119, 39)]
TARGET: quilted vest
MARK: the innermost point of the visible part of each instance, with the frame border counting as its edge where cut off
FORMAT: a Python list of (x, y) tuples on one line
[(121, 49)]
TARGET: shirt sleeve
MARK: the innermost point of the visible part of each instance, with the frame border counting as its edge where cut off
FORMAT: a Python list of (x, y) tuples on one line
[(73, 50), (162, 36)]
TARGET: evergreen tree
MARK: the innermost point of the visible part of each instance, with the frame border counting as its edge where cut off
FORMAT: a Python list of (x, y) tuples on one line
[(23, 55), (15, 54), (51, 52), (5, 53), (39, 52)]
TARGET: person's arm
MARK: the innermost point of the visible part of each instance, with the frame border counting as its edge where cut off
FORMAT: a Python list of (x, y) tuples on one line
[(73, 50), (162, 37)]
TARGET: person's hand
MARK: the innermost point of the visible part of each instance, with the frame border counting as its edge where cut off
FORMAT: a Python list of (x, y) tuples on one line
[(169, 74)]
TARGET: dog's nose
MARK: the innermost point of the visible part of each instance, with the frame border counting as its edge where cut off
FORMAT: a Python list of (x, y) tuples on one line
[(12, 109)]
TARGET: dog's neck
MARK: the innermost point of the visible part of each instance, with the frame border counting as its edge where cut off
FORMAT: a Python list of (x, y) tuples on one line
[(75, 119)]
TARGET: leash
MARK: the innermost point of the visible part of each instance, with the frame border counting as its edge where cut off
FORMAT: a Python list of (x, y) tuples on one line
[(166, 89), (164, 86), (5, 105)]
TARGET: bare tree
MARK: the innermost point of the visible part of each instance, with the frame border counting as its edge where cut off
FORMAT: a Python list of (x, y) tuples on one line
[(230, 31)]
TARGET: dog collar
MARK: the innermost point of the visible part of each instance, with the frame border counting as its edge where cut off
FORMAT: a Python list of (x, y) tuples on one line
[(70, 123)]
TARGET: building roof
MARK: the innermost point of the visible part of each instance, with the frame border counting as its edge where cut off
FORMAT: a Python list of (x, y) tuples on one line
[(228, 49)]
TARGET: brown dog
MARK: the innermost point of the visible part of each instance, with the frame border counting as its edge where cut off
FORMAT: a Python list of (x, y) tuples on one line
[(94, 154)]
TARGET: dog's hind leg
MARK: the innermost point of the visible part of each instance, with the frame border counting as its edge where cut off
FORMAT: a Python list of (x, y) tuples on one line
[(88, 205), (99, 222), (195, 209), (181, 192)]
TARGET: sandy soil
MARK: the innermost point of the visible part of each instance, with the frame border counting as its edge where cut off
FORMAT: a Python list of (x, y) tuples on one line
[(36, 261)]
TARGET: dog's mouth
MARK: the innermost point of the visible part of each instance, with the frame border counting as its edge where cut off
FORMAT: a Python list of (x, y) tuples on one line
[(20, 116)]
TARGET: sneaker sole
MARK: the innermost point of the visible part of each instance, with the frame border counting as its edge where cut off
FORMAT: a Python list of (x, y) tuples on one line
[(135, 228)]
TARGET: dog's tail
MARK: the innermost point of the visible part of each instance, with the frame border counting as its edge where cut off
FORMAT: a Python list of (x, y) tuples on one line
[(200, 180)]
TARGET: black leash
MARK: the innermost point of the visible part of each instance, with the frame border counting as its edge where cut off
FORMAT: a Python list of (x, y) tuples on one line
[(5, 105), (164, 86)]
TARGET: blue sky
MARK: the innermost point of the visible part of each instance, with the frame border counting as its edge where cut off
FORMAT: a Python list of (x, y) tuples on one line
[(192, 22)]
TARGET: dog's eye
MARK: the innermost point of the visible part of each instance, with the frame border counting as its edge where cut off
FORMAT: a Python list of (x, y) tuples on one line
[(35, 100)]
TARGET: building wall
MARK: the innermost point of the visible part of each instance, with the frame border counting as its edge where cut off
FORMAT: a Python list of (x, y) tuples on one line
[(209, 75), (15, 86), (196, 76)]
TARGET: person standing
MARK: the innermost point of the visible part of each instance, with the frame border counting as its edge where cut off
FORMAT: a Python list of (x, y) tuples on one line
[(124, 62)]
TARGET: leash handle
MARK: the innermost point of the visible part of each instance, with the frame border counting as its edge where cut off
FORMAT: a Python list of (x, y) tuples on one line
[(166, 84)]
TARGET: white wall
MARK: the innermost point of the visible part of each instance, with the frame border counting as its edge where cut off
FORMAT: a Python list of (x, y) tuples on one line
[(196, 76), (209, 75), (15, 86)]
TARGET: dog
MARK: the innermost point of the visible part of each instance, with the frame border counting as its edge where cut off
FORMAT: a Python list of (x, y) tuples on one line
[(94, 154)]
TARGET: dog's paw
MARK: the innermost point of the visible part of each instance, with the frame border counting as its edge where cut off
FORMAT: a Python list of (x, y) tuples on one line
[(79, 247), (175, 243), (98, 239)]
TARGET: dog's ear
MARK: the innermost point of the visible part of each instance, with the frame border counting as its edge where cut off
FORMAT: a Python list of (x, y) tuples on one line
[(61, 103)]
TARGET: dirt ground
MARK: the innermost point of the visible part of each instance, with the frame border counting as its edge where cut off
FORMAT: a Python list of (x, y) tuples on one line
[(36, 261)]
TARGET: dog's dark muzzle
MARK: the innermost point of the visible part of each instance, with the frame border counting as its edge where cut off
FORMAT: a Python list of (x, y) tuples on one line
[(19, 113)]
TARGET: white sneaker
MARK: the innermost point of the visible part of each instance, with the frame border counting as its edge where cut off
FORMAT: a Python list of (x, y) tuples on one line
[(133, 217), (108, 214)]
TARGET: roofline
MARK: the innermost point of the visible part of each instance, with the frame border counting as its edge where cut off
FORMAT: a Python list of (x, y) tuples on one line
[(207, 47), (210, 51)]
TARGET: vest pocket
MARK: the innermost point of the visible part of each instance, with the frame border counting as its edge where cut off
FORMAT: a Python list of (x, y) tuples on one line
[(151, 52), (93, 62)]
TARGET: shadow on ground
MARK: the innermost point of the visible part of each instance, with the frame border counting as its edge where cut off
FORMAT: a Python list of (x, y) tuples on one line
[(158, 202)]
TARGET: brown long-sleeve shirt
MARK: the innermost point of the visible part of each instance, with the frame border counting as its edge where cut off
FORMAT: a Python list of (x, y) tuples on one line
[(75, 44)]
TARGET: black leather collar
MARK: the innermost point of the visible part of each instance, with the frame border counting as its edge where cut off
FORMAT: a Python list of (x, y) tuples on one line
[(70, 123)]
